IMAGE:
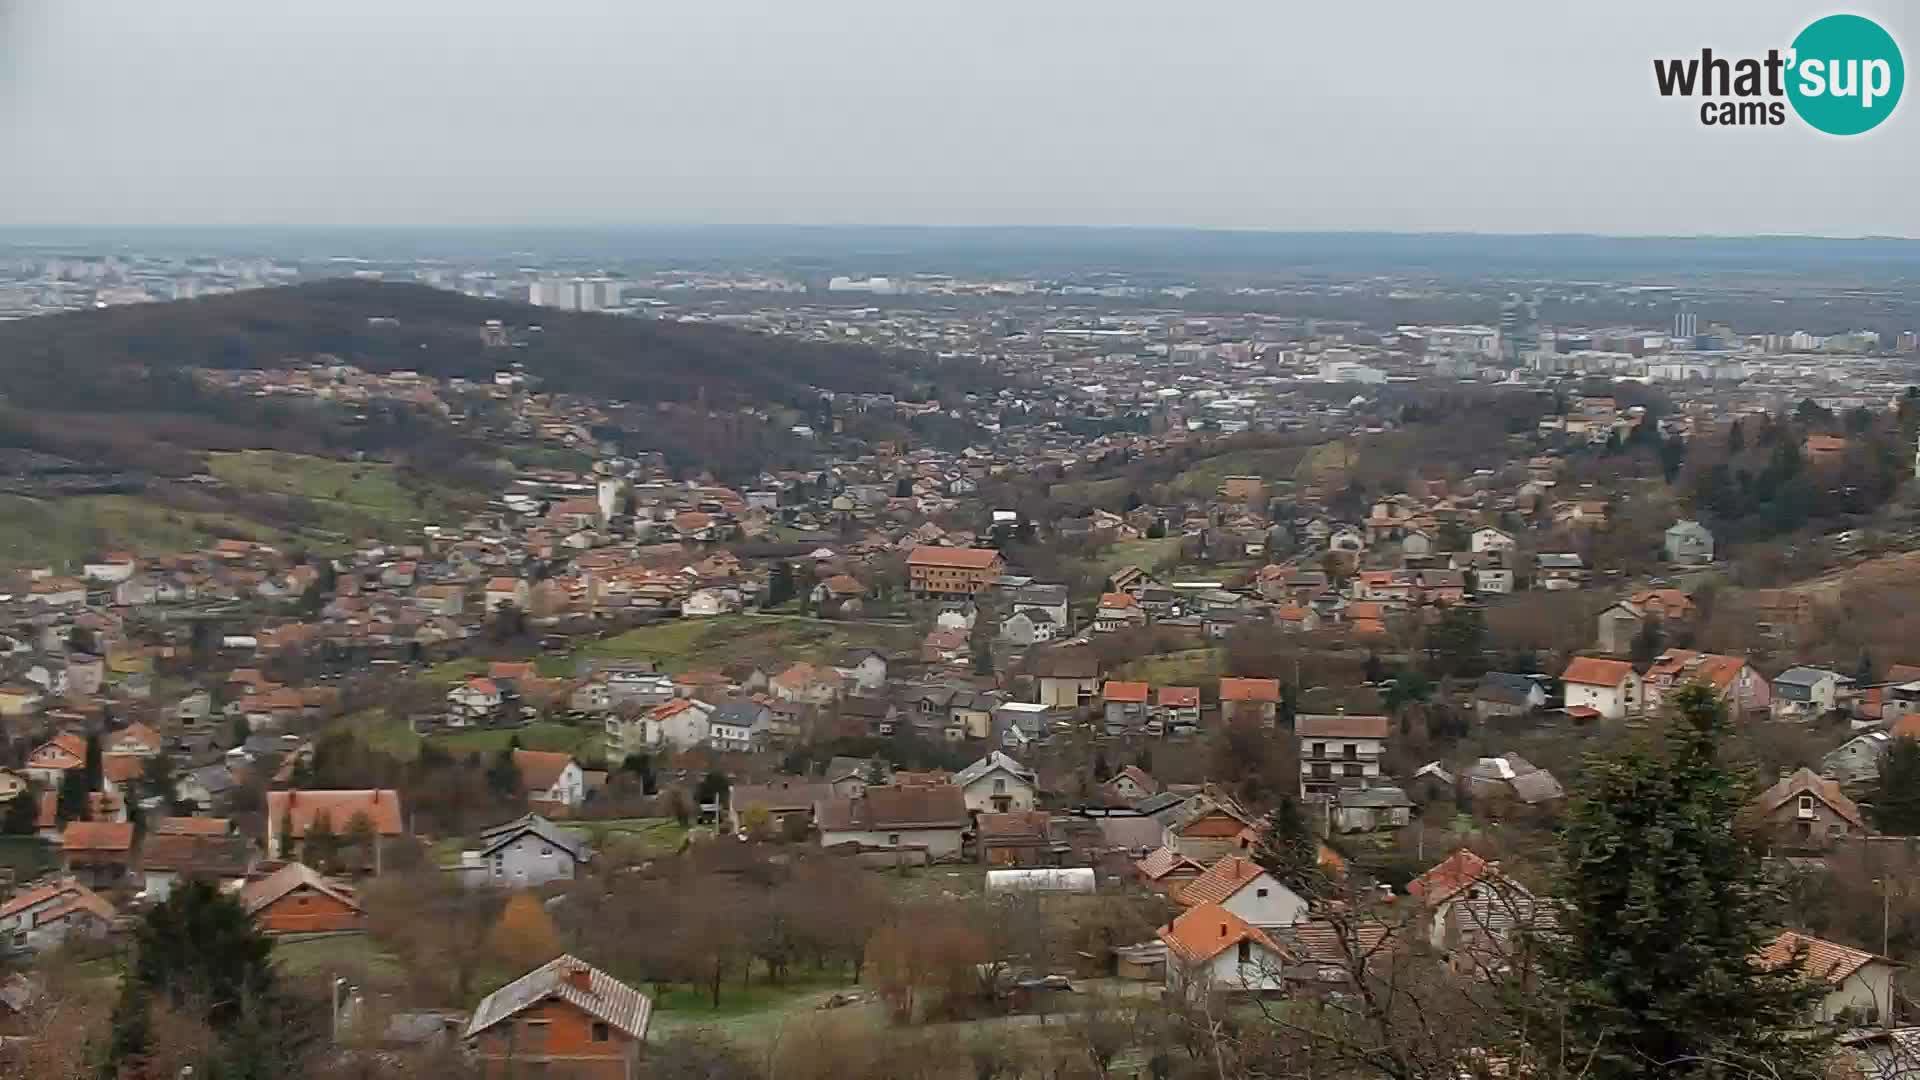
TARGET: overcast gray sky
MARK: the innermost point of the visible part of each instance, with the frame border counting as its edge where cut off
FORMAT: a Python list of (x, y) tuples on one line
[(1495, 115)]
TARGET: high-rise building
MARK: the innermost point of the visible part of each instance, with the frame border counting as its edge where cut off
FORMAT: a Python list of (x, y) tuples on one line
[(1686, 325)]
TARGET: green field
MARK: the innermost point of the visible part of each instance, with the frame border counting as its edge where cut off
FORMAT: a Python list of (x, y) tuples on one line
[(64, 531), (346, 493), (542, 736), (1191, 667), (687, 644), (1145, 554), (327, 954), (449, 672), (1205, 477)]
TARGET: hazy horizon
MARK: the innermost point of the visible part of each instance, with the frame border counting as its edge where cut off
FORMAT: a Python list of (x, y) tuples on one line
[(1503, 119)]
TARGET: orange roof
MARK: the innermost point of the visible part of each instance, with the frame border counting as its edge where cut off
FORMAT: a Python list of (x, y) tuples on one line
[(540, 769), (1593, 671), (255, 895), (1117, 600), (1204, 932), (1449, 876), (1180, 697), (1826, 961), (1126, 692), (381, 805), (121, 768), (97, 836), (1162, 861), (1825, 443), (192, 826), (1711, 669), (1232, 689), (1366, 609), (78, 896), (1224, 878), (1367, 628), (953, 557), (503, 584), (510, 669)]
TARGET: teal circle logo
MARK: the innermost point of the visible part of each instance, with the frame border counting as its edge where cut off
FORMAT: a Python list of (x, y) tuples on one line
[(1846, 74)]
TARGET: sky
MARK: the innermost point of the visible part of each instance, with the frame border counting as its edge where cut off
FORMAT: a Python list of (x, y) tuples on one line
[(1486, 116)]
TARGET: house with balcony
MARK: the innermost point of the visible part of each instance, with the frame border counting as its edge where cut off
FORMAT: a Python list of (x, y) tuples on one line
[(1340, 750)]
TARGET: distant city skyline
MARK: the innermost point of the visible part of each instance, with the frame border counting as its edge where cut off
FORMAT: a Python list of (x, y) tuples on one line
[(1502, 117)]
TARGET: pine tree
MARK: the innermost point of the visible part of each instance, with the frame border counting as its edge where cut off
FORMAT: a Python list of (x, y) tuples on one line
[(321, 844), (1896, 796), (1101, 771), (1663, 907), (23, 813), (1287, 850), (71, 804), (95, 764)]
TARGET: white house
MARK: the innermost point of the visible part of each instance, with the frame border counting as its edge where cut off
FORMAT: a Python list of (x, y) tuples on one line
[(475, 699), (549, 777), (1859, 984), (701, 603), (1856, 761), (1239, 885), (865, 668), (112, 569), (1610, 688), (682, 723), (1488, 538), (1211, 949), (523, 853), (1804, 693), (44, 917), (1689, 543), (997, 784), (506, 590)]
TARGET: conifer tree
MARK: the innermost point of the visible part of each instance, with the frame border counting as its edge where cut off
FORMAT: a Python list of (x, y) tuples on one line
[(1664, 906), (1287, 850)]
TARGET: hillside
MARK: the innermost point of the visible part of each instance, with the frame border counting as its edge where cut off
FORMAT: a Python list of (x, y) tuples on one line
[(61, 361)]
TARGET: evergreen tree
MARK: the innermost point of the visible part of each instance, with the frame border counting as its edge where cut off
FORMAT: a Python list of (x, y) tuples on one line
[(1896, 796), (71, 803), (23, 813), (285, 835), (779, 585), (1736, 438), (1287, 850), (503, 776), (321, 845), (1373, 670), (1663, 908), (1102, 772), (95, 764)]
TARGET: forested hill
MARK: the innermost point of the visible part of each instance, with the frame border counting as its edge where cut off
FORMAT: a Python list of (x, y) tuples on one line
[(82, 360)]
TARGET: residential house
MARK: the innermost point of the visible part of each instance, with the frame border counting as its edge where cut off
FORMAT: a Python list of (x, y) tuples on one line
[(1212, 950), (20, 698), (136, 739), (682, 724), (1250, 699), (1016, 838), (1559, 570), (1617, 627), (169, 857), (1510, 784), (1244, 889), (1597, 688), (1805, 811), (1488, 538), (1471, 909), (523, 853), (1177, 709), (552, 781), (866, 669), (1048, 600), (807, 684), (1125, 705), (1167, 870), (1859, 985), (47, 915), (1129, 785), (564, 1018), (930, 817), (1028, 628), (49, 761), (635, 682), (952, 572), (1118, 611), (1742, 688), (1340, 750), (474, 701), (736, 727), (1689, 543), (1856, 761), (291, 813), (1207, 826), (505, 590), (97, 853), (997, 784), (1804, 693), (785, 799), (1500, 693), (1069, 676), (296, 899), (1368, 809)]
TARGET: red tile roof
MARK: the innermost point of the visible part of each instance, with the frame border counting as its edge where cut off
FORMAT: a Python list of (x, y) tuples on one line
[(382, 807), (1126, 692), (953, 557), (540, 769), (1341, 726), (1221, 880), (1824, 961), (1232, 689), (1180, 697), (1204, 932), (1593, 671), (97, 837)]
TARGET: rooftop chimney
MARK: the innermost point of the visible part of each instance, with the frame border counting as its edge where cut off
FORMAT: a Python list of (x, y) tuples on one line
[(580, 977)]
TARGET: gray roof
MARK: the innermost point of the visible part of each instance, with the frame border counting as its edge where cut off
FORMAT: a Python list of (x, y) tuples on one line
[(493, 838), (1373, 798), (1506, 688), (841, 766), (1050, 595), (1537, 787), (738, 713), (1804, 676), (610, 1000), (1558, 561), (217, 779), (994, 760)]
